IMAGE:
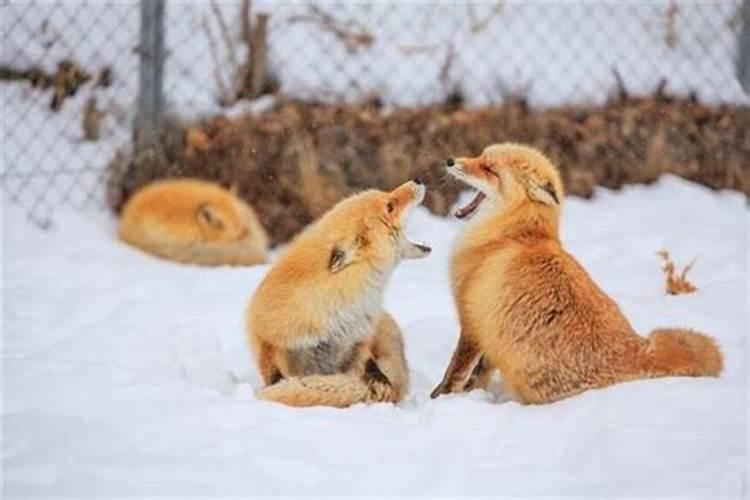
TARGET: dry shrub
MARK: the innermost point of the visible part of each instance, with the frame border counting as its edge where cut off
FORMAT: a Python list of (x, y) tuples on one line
[(676, 284), (297, 159)]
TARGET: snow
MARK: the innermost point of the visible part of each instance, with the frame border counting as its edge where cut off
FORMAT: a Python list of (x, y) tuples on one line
[(128, 375)]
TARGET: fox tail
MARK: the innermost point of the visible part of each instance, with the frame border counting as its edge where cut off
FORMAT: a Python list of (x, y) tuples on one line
[(338, 390), (675, 351)]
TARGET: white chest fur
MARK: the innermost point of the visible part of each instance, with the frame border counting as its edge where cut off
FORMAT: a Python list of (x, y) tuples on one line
[(331, 349)]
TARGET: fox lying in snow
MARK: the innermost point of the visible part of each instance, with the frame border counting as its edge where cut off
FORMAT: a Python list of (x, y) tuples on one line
[(528, 308), (316, 322), (195, 222)]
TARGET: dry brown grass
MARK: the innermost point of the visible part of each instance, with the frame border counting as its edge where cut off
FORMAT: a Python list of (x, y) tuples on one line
[(297, 159), (676, 284)]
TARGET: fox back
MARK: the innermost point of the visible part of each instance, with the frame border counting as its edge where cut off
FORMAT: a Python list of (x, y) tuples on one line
[(193, 221)]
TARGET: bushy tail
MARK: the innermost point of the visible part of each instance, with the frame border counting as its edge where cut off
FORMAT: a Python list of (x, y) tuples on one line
[(674, 351), (338, 390)]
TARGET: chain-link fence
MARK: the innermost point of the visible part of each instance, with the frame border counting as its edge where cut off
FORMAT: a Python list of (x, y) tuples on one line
[(418, 53), (60, 59), (70, 69)]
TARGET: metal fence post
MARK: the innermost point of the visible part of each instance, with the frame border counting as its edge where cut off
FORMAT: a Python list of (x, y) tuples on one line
[(743, 52), (150, 112)]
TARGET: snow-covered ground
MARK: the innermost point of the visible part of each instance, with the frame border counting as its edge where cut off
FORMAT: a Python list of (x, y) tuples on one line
[(128, 375), (552, 52)]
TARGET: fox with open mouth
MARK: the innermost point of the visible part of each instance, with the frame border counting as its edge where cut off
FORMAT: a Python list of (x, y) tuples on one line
[(316, 322), (528, 309)]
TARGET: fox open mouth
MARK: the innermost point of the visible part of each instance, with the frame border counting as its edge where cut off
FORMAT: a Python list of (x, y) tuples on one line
[(414, 250), (469, 209), (424, 248), (409, 248)]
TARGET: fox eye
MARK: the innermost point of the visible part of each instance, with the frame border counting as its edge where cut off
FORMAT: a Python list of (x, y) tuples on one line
[(485, 167), (391, 207)]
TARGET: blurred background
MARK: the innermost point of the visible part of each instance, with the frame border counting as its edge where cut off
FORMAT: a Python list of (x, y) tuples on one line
[(299, 104)]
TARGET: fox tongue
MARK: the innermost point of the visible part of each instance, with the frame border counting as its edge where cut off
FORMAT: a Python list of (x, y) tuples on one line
[(469, 209)]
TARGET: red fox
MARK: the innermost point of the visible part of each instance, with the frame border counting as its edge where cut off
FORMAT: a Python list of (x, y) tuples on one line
[(195, 222), (529, 309), (316, 322)]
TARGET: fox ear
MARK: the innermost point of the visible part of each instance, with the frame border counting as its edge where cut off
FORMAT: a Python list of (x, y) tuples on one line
[(340, 258), (344, 252), (543, 192), (207, 216)]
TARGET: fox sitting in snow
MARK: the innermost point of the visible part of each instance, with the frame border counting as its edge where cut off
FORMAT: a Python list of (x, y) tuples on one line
[(316, 323), (529, 309), (195, 222)]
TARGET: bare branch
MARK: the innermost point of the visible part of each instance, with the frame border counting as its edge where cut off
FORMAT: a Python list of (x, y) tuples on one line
[(258, 54), (225, 96), (622, 91), (352, 40), (479, 25), (445, 68), (411, 50), (670, 22), (224, 30), (246, 9), (91, 121)]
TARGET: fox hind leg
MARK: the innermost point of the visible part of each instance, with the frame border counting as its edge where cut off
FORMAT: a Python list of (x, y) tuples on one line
[(265, 357), (380, 388)]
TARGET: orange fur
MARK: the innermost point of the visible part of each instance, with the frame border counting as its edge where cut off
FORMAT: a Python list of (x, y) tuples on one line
[(194, 222), (196, 140), (316, 324), (529, 309)]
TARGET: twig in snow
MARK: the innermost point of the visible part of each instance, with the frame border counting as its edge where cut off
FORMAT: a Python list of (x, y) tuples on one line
[(676, 284)]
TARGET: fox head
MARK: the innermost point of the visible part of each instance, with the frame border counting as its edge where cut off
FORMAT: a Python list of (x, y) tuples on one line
[(369, 228), (507, 175), (230, 221), (221, 221)]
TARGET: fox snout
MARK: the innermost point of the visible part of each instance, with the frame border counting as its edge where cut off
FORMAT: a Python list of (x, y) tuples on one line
[(476, 174), (407, 196), (420, 192), (455, 166), (418, 188)]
